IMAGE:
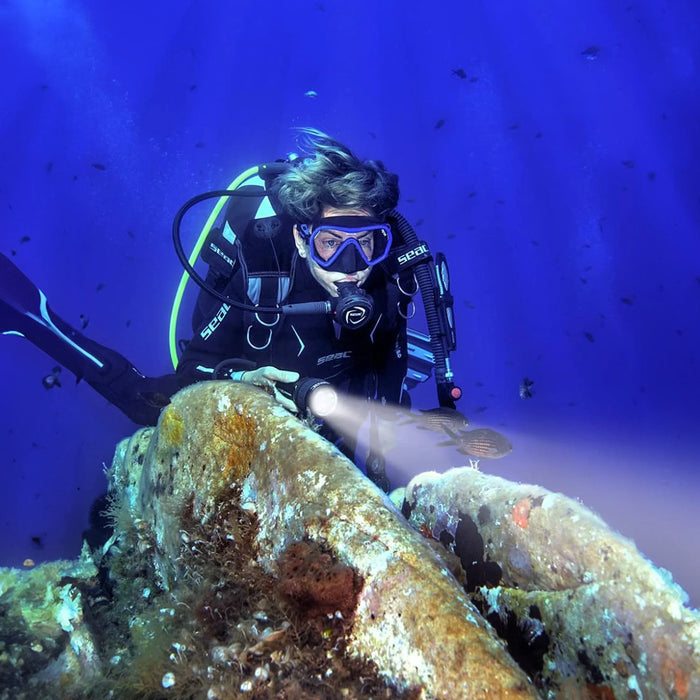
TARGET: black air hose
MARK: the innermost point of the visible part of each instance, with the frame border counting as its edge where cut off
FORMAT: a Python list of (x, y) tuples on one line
[(425, 275)]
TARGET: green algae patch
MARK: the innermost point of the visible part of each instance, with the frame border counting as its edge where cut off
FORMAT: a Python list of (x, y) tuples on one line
[(42, 619), (41, 597)]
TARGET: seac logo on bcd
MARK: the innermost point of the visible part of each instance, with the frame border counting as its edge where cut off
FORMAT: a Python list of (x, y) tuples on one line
[(413, 253), (355, 316)]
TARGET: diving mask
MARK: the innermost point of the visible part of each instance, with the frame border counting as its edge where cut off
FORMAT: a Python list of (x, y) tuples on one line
[(347, 243)]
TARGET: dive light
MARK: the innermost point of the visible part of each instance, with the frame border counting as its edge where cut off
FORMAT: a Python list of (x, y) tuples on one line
[(317, 396)]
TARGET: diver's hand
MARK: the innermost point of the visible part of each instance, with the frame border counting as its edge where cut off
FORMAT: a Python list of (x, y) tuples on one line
[(266, 377)]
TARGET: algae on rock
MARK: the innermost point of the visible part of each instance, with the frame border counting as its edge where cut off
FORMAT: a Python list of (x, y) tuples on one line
[(582, 610), (43, 628)]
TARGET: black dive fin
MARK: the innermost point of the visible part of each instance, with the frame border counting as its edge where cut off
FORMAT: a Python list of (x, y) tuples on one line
[(19, 298), (24, 310)]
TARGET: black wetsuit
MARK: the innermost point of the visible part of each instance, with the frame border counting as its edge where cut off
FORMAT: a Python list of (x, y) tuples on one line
[(370, 361)]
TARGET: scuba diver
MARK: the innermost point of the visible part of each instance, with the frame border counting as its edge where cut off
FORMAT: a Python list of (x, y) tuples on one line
[(310, 281)]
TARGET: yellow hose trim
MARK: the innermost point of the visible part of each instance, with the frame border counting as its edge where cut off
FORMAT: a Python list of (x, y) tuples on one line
[(172, 331)]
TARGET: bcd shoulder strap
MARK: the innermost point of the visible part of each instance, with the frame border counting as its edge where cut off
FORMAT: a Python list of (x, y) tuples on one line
[(255, 244)]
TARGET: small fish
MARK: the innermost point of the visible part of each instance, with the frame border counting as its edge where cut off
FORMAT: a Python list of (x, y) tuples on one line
[(441, 418), (25, 239), (591, 53), (311, 94), (525, 389), (482, 442), (36, 539), (439, 124), (589, 337), (51, 380), (459, 72), (98, 166), (84, 320), (436, 419)]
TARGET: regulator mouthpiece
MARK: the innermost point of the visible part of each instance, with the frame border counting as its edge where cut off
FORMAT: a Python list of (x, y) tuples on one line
[(353, 307)]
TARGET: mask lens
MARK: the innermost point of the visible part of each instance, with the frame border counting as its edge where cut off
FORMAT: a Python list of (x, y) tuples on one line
[(328, 244)]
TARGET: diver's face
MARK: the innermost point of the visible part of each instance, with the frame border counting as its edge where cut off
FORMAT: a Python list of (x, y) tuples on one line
[(328, 278)]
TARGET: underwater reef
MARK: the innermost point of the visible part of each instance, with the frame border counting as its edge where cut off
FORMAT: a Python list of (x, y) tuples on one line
[(248, 558)]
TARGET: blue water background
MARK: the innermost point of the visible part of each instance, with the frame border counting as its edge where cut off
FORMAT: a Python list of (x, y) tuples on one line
[(560, 176)]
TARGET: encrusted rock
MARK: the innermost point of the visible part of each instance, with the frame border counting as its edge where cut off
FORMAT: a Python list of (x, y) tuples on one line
[(583, 611), (226, 440), (43, 632)]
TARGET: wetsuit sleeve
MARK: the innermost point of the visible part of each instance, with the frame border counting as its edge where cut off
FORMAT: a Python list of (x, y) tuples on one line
[(220, 336)]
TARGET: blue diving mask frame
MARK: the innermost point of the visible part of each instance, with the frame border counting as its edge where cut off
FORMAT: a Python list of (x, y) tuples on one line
[(347, 243)]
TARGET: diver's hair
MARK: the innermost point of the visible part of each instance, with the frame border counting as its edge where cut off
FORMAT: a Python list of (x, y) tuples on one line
[(331, 175)]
